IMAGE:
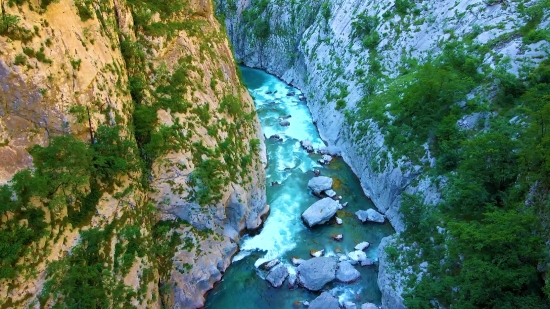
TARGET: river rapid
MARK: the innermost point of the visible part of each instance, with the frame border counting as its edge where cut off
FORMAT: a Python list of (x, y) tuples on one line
[(284, 235)]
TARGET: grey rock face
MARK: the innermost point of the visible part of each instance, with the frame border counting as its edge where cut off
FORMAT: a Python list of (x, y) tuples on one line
[(370, 215), (277, 276), (320, 212), (391, 284), (346, 272), (314, 273), (320, 184), (324, 301)]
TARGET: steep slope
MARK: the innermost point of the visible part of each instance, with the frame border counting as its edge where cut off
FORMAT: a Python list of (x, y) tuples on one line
[(146, 161), (397, 86)]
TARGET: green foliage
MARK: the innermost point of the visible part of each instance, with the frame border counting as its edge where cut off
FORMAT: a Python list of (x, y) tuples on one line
[(326, 10), (207, 180), (84, 10), (20, 59), (232, 105), (364, 28), (401, 6), (9, 27), (494, 210)]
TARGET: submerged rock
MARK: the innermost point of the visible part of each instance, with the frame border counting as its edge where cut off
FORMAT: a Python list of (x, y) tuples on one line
[(325, 301), (284, 123), (277, 276), (370, 215), (291, 93), (346, 272), (302, 97), (314, 273), (362, 245), (320, 184), (292, 279), (296, 261), (320, 212), (367, 262), (276, 137)]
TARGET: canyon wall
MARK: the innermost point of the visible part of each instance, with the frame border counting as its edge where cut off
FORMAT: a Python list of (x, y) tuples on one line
[(329, 49), (192, 179)]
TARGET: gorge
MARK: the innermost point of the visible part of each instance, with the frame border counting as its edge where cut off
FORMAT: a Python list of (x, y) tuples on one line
[(134, 163)]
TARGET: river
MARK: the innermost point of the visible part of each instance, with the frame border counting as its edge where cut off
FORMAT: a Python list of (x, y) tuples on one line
[(284, 235)]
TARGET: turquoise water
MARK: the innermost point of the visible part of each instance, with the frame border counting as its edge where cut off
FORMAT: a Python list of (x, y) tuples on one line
[(284, 235)]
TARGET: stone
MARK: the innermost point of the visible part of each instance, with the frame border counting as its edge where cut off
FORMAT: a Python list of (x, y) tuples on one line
[(276, 137), (357, 256), (292, 279), (316, 253), (284, 123), (307, 145), (362, 245), (296, 261), (305, 303), (370, 215), (302, 97), (285, 117), (317, 173), (330, 193), (325, 301), (339, 221), (369, 306), (291, 93), (346, 272), (345, 204), (314, 273), (319, 184), (277, 276), (337, 237), (269, 264), (320, 212), (269, 92), (325, 159)]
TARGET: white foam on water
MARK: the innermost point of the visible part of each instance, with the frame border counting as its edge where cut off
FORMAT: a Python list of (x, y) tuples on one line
[(277, 236), (241, 255), (346, 293)]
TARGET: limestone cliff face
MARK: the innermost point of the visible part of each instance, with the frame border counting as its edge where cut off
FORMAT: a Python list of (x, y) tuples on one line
[(70, 68), (312, 45)]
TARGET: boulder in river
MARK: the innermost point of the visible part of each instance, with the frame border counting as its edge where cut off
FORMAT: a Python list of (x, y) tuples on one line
[(362, 245), (276, 137), (325, 159), (314, 273), (316, 253), (324, 301), (346, 272), (330, 193), (370, 215), (291, 93), (337, 237), (339, 221), (319, 184), (307, 145), (320, 212), (285, 117), (357, 256), (284, 123), (367, 262), (277, 276), (269, 264), (369, 306)]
